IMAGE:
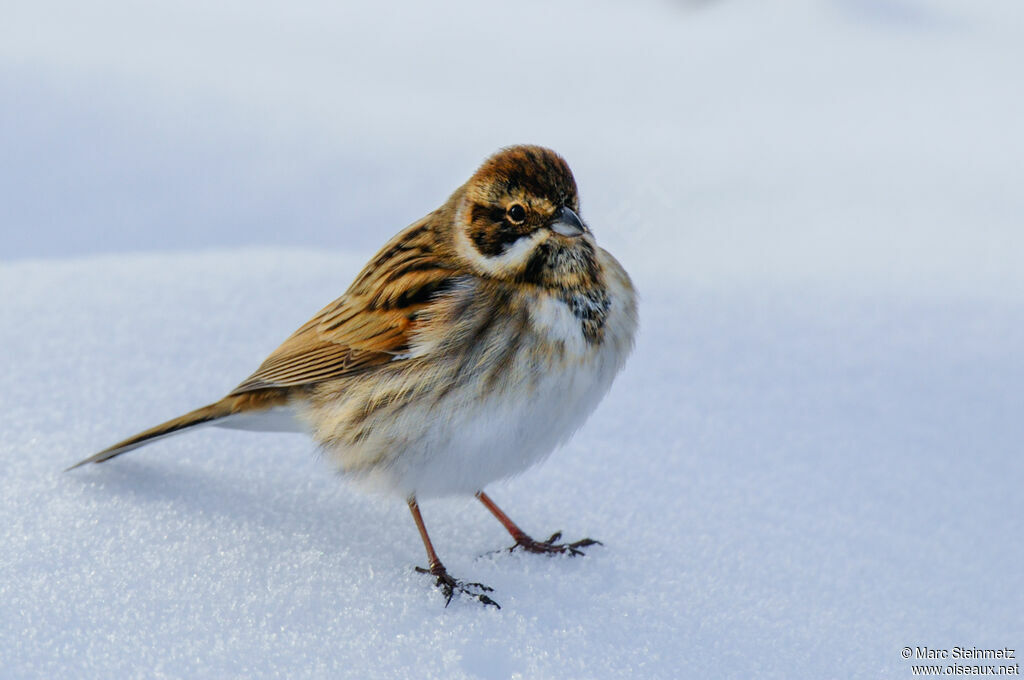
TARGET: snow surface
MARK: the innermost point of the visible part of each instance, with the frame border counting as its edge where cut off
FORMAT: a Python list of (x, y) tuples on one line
[(811, 461)]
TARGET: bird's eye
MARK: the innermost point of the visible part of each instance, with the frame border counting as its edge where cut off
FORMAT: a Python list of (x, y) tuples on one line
[(516, 213)]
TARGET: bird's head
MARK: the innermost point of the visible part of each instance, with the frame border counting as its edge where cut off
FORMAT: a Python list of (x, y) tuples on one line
[(517, 219)]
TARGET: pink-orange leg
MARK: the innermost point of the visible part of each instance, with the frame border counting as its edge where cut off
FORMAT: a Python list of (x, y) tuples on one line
[(448, 585), (523, 540)]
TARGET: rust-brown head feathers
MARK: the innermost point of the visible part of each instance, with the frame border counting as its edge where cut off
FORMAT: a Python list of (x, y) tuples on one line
[(518, 216)]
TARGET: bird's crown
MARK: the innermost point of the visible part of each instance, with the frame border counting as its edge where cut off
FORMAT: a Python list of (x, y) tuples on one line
[(520, 205)]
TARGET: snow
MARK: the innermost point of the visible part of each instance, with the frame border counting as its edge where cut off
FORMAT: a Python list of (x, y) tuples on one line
[(811, 461)]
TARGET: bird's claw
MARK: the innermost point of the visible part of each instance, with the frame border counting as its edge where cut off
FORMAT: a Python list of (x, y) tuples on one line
[(449, 586), (551, 547)]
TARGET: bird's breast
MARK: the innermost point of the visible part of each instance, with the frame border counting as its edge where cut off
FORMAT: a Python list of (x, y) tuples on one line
[(553, 320)]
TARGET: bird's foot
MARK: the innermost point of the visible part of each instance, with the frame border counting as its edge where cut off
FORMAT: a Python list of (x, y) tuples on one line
[(551, 546), (449, 586)]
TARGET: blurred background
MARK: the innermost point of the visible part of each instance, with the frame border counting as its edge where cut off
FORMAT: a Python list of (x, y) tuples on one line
[(811, 460), (862, 142)]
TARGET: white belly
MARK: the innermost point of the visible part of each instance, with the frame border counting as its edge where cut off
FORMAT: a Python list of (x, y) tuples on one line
[(472, 442)]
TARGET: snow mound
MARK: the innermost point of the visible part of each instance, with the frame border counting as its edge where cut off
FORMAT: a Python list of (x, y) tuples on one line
[(831, 475)]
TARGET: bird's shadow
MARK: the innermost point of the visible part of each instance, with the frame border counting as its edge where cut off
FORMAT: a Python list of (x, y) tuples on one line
[(310, 509)]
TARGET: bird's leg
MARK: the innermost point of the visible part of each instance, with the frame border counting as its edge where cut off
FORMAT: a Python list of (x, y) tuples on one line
[(523, 540), (448, 585)]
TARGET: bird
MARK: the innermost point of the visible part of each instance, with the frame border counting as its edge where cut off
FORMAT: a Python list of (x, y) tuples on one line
[(473, 344)]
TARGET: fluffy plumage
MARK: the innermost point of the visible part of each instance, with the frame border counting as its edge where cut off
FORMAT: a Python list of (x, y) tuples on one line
[(475, 341)]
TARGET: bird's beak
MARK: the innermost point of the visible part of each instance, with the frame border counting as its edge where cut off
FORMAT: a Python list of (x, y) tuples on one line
[(567, 223)]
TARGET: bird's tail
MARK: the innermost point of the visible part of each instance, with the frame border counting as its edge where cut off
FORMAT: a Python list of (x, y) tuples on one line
[(207, 415)]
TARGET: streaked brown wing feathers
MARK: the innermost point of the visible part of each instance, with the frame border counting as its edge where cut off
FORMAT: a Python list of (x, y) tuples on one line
[(367, 327)]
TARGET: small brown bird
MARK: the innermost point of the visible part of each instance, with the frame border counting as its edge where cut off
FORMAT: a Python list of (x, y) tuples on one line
[(474, 343)]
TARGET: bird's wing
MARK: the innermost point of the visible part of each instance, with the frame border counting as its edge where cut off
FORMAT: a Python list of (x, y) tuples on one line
[(371, 324)]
